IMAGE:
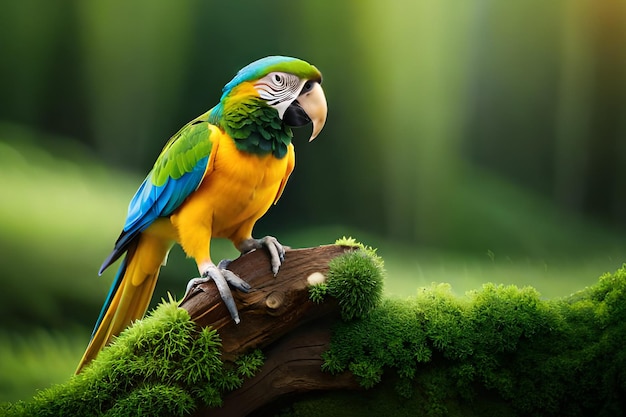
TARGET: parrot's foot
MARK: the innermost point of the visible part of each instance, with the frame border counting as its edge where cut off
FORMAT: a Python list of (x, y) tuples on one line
[(223, 279), (276, 250)]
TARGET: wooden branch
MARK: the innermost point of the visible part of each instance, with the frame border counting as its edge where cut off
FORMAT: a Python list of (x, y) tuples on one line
[(292, 365), (272, 316), (274, 305)]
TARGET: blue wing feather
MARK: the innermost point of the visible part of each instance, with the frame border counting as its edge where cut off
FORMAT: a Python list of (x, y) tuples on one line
[(185, 174), (153, 201)]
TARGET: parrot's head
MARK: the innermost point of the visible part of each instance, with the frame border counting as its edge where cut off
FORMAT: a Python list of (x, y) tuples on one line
[(289, 85)]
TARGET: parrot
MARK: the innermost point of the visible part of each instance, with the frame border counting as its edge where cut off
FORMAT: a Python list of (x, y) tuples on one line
[(214, 178)]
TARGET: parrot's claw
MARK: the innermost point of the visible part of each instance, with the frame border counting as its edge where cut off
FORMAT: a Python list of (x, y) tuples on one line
[(276, 250), (223, 264), (223, 279)]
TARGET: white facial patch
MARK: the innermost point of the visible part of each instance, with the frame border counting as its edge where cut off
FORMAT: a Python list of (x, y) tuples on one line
[(279, 89)]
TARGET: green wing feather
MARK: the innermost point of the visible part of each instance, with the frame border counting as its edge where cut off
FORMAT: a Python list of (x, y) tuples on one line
[(183, 151)]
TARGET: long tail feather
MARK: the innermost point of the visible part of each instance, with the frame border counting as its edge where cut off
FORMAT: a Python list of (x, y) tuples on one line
[(130, 293)]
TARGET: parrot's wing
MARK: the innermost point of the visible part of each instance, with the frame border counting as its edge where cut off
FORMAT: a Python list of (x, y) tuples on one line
[(177, 172)]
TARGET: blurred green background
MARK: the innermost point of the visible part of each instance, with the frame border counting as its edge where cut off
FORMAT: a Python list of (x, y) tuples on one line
[(470, 141)]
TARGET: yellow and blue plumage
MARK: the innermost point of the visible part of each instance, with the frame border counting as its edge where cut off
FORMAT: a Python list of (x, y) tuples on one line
[(214, 178)]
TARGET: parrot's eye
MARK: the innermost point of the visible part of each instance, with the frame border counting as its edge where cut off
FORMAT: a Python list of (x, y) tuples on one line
[(307, 87), (278, 80)]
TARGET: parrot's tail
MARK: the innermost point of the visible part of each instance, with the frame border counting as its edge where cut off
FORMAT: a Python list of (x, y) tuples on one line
[(130, 293)]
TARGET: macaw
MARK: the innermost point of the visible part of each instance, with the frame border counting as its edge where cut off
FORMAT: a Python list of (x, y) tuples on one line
[(213, 179)]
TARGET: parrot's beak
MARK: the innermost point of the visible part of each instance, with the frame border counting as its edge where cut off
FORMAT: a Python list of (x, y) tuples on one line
[(309, 107)]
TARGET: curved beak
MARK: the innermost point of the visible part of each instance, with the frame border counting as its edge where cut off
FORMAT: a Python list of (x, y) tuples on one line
[(308, 107)]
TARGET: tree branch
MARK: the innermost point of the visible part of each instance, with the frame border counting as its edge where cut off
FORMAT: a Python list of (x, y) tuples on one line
[(273, 315)]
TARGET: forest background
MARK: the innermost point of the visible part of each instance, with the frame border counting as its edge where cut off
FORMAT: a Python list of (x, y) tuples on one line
[(469, 141)]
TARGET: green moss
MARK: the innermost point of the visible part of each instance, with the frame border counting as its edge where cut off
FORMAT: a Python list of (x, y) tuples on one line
[(349, 242), (153, 400), (501, 350), (318, 292), (355, 279), (162, 365), (383, 400)]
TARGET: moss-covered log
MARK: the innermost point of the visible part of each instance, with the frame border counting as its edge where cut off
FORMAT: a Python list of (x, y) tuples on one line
[(499, 350), (277, 306)]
